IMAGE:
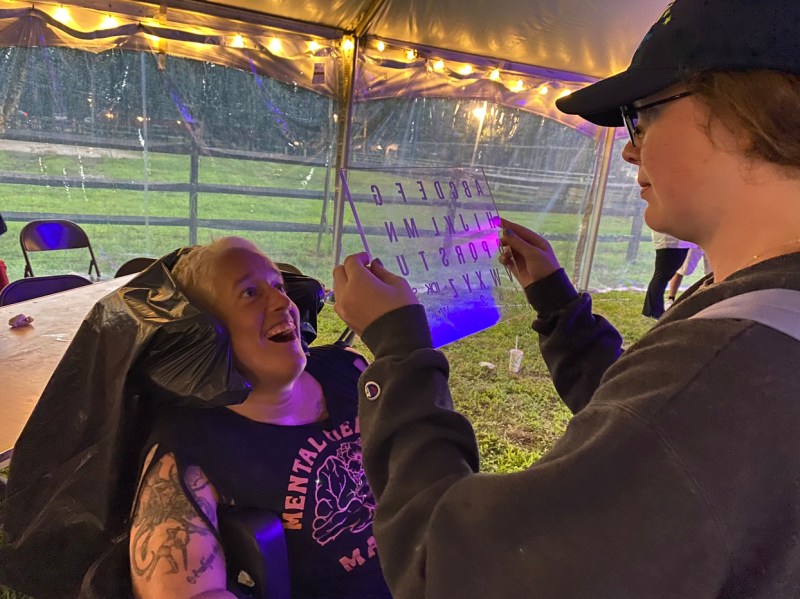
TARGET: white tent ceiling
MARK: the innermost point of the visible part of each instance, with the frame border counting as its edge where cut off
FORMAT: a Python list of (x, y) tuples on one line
[(595, 38)]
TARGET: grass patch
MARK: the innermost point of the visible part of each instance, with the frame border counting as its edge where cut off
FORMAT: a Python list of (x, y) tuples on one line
[(115, 243), (517, 418)]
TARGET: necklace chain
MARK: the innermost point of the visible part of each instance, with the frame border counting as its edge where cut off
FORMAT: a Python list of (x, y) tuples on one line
[(755, 257)]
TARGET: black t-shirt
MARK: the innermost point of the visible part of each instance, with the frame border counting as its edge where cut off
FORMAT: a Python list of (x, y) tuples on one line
[(310, 475)]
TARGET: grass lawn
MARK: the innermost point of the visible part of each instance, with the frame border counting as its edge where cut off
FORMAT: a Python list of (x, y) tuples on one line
[(116, 243), (517, 418)]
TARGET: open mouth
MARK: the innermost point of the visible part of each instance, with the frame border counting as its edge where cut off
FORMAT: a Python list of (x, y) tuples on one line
[(282, 333)]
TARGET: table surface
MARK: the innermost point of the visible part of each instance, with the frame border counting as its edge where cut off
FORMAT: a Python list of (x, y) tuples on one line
[(29, 355)]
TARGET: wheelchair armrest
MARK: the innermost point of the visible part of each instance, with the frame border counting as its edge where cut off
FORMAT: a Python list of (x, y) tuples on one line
[(254, 543)]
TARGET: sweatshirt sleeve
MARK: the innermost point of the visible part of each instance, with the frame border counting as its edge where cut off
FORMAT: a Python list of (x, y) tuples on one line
[(415, 445), (593, 518), (577, 346)]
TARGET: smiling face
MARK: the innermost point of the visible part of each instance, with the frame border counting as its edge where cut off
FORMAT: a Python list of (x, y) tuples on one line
[(263, 323), (689, 167)]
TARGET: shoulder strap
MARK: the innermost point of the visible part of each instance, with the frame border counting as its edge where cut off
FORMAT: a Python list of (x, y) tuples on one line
[(776, 308)]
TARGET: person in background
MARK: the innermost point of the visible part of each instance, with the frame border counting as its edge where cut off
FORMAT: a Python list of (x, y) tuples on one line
[(3, 268), (670, 254), (677, 476), (292, 447), (3, 275), (687, 269)]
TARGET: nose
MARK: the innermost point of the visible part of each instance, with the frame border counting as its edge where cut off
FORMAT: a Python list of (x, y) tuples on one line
[(277, 301), (630, 153)]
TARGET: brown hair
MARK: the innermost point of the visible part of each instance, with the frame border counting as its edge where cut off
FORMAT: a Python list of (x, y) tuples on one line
[(763, 105)]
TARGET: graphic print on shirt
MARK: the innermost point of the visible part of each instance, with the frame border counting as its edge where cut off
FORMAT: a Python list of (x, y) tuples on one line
[(328, 472), (344, 501)]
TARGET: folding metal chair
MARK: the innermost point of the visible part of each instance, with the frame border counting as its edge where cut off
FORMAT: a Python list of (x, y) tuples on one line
[(49, 235), (32, 287), (133, 266)]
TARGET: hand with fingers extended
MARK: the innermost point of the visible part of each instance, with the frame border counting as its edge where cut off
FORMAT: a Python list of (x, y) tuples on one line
[(366, 291), (526, 254)]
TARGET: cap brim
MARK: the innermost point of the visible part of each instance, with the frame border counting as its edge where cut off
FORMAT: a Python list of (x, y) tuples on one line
[(600, 102)]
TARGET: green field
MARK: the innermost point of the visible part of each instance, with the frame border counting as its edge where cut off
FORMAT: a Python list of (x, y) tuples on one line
[(311, 251)]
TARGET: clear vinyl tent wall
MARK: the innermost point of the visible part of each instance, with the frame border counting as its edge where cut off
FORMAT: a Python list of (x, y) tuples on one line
[(167, 129)]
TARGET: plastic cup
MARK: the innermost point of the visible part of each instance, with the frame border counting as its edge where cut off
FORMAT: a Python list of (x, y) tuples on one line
[(514, 360)]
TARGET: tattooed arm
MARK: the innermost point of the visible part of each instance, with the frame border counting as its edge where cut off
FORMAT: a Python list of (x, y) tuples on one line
[(173, 552)]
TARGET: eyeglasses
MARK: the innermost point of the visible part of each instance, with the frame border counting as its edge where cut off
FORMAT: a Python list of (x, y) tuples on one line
[(630, 114)]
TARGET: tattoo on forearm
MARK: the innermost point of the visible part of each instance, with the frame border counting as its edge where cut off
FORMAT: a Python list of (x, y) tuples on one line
[(165, 507), (205, 564)]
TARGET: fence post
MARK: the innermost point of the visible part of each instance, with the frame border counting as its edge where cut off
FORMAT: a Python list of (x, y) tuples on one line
[(636, 232), (194, 169)]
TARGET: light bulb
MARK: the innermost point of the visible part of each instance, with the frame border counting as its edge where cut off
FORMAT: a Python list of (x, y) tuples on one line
[(495, 75), (275, 45), (438, 66), (237, 41), (380, 46), (61, 14), (466, 69), (109, 22)]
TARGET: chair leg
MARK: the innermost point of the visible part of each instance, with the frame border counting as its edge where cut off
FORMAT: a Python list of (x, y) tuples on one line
[(93, 263)]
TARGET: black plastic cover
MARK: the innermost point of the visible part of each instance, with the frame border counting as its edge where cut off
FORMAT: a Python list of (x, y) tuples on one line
[(74, 468)]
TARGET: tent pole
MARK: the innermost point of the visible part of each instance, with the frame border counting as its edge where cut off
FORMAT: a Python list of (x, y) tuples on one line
[(345, 116), (597, 197), (346, 96)]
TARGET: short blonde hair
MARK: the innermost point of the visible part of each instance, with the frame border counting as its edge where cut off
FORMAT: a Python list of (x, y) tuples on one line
[(194, 272)]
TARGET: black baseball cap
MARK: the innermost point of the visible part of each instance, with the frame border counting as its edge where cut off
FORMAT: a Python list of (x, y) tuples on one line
[(690, 37)]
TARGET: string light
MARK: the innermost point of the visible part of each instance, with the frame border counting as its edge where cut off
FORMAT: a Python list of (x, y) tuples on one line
[(109, 22), (62, 15), (275, 46)]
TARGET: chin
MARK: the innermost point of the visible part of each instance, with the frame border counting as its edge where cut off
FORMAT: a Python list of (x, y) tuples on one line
[(655, 220), (277, 368)]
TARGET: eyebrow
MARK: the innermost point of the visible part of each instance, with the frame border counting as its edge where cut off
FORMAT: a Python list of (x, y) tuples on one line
[(239, 281), (271, 279)]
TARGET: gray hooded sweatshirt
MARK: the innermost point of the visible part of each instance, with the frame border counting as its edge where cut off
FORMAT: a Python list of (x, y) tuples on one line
[(678, 476)]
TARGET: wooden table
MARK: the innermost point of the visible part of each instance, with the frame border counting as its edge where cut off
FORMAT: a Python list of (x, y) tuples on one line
[(29, 355)]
